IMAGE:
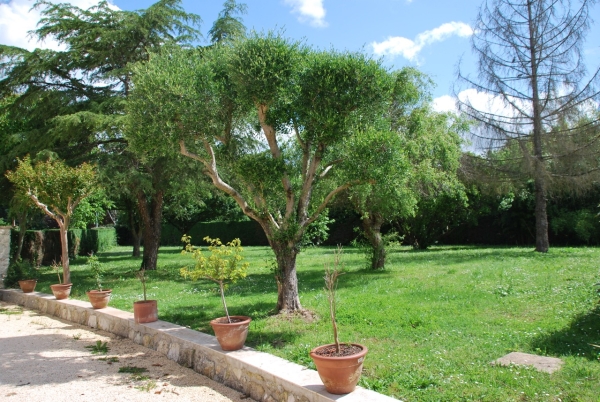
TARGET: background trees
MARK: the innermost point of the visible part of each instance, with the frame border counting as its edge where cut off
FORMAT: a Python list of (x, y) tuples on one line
[(530, 63)]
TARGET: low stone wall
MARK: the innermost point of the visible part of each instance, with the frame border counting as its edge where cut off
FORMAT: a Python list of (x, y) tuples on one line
[(262, 376), (4, 251)]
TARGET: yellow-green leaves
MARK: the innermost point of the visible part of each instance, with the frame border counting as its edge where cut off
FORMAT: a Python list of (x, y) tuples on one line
[(53, 183), (223, 264)]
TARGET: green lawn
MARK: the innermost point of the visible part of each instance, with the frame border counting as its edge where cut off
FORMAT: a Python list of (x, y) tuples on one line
[(433, 321)]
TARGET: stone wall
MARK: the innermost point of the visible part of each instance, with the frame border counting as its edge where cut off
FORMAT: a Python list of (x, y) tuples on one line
[(4, 252), (262, 376)]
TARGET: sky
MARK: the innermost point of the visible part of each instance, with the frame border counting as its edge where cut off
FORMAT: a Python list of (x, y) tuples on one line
[(431, 35)]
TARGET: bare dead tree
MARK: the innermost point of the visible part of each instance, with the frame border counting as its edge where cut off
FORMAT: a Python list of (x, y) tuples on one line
[(539, 107)]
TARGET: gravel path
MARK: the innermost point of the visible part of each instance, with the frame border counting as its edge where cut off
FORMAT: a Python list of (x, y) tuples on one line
[(44, 358)]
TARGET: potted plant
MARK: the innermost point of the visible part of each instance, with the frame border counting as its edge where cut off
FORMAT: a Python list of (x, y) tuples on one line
[(339, 364), (60, 290), (144, 310), (98, 297), (22, 273), (224, 265)]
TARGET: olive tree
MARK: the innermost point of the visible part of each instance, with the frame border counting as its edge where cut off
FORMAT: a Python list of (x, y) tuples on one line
[(56, 189), (263, 117)]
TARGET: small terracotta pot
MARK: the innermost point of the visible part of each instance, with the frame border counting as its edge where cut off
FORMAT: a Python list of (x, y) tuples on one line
[(145, 311), (99, 298), (231, 336), (339, 374), (61, 290), (28, 285)]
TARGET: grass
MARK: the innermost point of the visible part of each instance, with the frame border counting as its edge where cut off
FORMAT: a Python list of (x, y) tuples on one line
[(433, 321)]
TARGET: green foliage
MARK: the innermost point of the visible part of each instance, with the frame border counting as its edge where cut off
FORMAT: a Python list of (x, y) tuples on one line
[(132, 369), (17, 271), (582, 225), (91, 210), (98, 348), (56, 188)]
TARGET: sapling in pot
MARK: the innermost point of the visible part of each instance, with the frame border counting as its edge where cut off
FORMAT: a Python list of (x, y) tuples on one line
[(223, 266), (98, 297), (60, 290), (144, 311), (339, 364)]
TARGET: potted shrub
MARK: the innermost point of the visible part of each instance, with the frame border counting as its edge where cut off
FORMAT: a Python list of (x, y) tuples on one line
[(98, 297), (22, 273), (60, 290), (223, 266), (339, 364), (144, 310)]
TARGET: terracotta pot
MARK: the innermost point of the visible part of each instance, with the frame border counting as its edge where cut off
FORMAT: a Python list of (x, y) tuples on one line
[(231, 336), (27, 285), (145, 311), (99, 298), (61, 290), (339, 374)]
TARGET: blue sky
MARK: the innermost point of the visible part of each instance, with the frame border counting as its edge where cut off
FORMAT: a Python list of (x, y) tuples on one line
[(431, 35)]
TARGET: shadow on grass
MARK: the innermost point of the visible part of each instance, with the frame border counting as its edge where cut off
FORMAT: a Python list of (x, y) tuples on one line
[(575, 340)]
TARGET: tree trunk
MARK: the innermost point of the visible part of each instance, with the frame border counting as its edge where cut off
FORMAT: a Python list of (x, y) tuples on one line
[(541, 217), (21, 239), (136, 236), (151, 213), (372, 226), (288, 299), (64, 245)]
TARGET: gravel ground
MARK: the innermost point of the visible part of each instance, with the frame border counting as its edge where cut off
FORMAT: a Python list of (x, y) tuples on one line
[(44, 358)]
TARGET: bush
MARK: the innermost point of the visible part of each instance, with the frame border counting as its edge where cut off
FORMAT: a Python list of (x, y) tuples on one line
[(18, 271)]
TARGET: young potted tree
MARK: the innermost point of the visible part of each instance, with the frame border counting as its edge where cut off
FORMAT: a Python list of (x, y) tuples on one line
[(22, 273), (144, 310), (98, 297), (339, 364), (223, 266), (60, 290)]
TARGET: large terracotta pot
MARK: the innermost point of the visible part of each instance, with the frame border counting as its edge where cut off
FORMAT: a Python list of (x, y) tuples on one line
[(339, 374), (231, 336), (61, 290), (145, 311), (99, 298), (28, 285)]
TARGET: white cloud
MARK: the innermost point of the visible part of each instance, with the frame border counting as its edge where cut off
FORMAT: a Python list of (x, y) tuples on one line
[(17, 19), (409, 49), (445, 103), (309, 10)]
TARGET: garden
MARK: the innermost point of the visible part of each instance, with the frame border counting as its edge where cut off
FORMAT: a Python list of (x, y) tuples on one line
[(433, 320)]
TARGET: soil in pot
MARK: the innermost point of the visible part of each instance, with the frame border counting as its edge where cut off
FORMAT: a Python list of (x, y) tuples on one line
[(145, 311), (231, 336), (339, 372), (99, 298), (28, 285), (61, 290)]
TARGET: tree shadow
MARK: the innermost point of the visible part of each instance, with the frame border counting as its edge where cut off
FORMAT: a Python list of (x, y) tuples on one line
[(575, 340)]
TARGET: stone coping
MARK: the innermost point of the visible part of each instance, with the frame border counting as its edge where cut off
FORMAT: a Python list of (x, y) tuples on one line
[(262, 376)]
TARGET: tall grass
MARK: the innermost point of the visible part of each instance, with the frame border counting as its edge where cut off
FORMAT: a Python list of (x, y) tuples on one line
[(433, 320)]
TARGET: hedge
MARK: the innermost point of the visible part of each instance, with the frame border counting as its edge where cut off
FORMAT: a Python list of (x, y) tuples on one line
[(249, 232), (42, 247)]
